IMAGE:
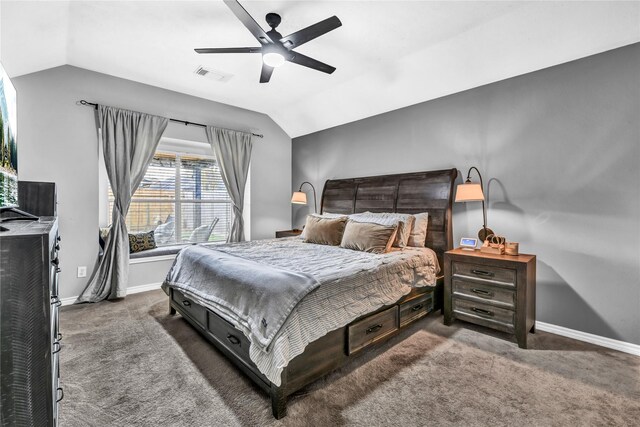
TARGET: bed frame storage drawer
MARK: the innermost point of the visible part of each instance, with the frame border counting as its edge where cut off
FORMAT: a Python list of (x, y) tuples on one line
[(416, 308), (231, 338), (191, 308), (485, 315), (484, 272), (371, 329)]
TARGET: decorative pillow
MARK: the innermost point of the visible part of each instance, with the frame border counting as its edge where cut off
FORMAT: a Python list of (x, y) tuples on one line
[(387, 218), (418, 235), (368, 236), (324, 231), (103, 235), (141, 242)]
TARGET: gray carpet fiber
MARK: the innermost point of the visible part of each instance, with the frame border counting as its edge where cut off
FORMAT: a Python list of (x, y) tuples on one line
[(129, 363)]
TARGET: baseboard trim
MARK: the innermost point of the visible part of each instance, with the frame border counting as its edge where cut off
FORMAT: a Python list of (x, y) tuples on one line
[(131, 290), (68, 301), (625, 347), (143, 288)]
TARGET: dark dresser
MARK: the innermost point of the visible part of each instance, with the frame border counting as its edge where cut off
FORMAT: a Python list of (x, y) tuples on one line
[(496, 291), (29, 333)]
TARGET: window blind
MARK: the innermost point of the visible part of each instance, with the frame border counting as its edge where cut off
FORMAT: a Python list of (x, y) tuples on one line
[(183, 199)]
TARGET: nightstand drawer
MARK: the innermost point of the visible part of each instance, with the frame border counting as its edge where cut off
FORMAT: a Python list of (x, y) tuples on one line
[(484, 314), (484, 272), (482, 292)]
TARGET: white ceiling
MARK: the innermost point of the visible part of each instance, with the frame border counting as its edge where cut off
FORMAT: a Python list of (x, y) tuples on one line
[(388, 54)]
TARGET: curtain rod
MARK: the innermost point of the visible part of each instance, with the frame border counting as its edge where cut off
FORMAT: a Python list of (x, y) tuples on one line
[(94, 105)]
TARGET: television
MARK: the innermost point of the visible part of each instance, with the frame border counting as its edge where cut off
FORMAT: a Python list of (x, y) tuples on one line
[(8, 142), (9, 153)]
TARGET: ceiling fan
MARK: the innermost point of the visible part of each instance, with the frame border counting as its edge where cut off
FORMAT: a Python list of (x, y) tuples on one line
[(275, 49)]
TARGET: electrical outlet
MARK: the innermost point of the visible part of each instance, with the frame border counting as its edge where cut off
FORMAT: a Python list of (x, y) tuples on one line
[(82, 271)]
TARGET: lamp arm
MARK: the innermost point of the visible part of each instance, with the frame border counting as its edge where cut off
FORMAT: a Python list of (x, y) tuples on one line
[(315, 198), (484, 209)]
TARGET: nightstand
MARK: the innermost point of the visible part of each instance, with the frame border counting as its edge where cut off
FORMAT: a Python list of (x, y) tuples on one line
[(288, 233), (496, 291)]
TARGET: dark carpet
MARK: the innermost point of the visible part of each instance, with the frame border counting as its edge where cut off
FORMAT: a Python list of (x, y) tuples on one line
[(129, 363)]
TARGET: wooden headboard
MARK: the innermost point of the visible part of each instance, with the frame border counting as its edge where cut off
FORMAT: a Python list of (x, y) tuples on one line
[(430, 191)]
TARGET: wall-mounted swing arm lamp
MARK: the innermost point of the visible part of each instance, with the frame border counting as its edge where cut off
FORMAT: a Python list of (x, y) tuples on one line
[(300, 198), (473, 192)]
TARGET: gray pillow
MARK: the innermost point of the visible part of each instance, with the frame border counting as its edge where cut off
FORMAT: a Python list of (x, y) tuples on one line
[(368, 236), (324, 231)]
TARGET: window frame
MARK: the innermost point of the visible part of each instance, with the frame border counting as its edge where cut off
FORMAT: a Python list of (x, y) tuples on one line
[(178, 148)]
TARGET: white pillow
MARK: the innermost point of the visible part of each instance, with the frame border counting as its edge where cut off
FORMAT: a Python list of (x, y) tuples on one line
[(330, 215), (418, 235), (404, 222)]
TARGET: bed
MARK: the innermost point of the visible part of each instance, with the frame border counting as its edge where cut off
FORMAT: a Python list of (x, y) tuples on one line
[(407, 287)]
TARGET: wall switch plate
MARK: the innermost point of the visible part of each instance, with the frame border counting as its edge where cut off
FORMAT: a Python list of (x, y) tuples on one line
[(82, 271)]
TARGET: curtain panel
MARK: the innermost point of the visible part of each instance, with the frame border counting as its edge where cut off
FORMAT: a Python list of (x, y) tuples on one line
[(233, 153), (129, 140)]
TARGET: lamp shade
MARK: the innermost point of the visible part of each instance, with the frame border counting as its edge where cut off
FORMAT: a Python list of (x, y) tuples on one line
[(469, 192), (299, 198)]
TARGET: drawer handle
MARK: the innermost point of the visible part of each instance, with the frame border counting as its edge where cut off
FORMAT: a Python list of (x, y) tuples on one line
[(56, 301), (233, 339), (374, 328), (61, 394), (483, 273), (57, 343), (481, 311), (482, 292), (417, 307), (186, 303)]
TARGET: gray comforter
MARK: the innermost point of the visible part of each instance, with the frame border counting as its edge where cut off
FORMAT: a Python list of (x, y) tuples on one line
[(352, 283), (256, 296)]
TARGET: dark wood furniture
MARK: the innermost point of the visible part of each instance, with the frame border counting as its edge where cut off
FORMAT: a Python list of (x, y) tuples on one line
[(288, 233), (496, 291), (38, 198), (29, 335), (404, 193)]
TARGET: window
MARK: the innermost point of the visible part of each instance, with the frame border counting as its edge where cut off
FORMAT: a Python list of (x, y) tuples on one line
[(182, 198)]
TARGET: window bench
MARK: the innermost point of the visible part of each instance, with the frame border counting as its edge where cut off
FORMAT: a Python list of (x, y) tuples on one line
[(162, 253)]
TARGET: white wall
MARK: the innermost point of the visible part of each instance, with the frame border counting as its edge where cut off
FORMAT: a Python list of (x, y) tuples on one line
[(58, 143), (560, 151)]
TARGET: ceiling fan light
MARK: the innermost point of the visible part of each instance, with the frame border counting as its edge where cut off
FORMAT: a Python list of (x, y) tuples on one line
[(273, 59)]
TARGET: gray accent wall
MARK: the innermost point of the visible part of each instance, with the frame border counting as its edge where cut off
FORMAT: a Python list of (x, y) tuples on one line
[(58, 143), (559, 150)]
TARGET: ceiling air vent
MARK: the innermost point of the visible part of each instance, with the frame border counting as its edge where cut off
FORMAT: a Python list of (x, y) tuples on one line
[(215, 75)]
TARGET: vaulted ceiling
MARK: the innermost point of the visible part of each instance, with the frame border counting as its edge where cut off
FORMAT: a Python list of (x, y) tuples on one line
[(388, 54)]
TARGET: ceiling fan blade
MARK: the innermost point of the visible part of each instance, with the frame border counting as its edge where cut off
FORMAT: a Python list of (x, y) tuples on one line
[(248, 21), (265, 74), (229, 50), (316, 30), (305, 61)]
